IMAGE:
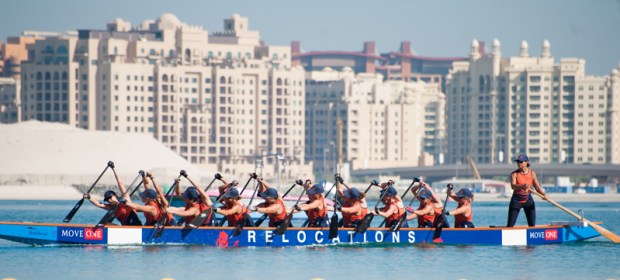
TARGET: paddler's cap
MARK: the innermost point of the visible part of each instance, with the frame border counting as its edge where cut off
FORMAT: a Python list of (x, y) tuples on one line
[(424, 194), (522, 158), (352, 193), (107, 195), (232, 193), (391, 191), (269, 193), (465, 192), (149, 193), (316, 188), (191, 193)]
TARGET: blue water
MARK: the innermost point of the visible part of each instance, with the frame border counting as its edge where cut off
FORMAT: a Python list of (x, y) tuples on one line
[(595, 259)]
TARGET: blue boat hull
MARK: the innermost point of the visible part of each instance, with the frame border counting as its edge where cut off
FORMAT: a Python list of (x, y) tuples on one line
[(41, 234)]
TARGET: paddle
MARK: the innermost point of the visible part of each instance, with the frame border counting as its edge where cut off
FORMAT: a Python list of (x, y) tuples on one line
[(333, 225), (160, 225), (415, 179), (603, 231), (81, 201), (363, 225), (403, 217), (246, 217), (284, 225), (264, 216), (223, 219), (109, 216), (439, 223)]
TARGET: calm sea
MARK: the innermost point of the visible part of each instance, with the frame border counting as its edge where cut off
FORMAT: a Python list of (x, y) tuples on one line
[(596, 259)]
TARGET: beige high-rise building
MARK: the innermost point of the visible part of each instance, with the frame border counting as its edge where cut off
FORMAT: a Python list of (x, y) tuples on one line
[(499, 107), (221, 100), (385, 123)]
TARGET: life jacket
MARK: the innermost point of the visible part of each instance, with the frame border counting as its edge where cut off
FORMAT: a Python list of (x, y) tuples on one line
[(425, 220), (315, 214), (349, 218), (459, 219), (522, 195), (394, 217), (201, 208), (233, 219), (274, 218), (151, 220), (123, 213)]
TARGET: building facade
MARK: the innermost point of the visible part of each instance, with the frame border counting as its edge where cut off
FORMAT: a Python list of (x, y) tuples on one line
[(385, 123), (222, 100), (499, 107)]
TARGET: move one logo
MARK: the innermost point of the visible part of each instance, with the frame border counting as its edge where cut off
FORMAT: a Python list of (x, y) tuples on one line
[(93, 233), (550, 234)]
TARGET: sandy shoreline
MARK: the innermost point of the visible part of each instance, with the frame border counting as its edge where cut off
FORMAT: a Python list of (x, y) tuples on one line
[(17, 192)]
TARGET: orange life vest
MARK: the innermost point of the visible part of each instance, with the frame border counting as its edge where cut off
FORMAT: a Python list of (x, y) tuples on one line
[(274, 218), (314, 214), (460, 218), (522, 195), (122, 213), (233, 219), (350, 218)]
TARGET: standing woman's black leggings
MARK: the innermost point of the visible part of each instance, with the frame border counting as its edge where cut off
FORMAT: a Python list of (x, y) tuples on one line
[(528, 207)]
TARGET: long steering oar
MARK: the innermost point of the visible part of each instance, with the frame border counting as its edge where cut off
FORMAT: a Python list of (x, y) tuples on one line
[(603, 231), (109, 216), (223, 219), (264, 216), (79, 203), (284, 225), (160, 225), (439, 223), (403, 217)]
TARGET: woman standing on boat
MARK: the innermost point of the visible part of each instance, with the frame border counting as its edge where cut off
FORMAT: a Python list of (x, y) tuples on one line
[(273, 206), (315, 208), (427, 210), (463, 214), (123, 213), (391, 211), (154, 202), (352, 210), (521, 181), (196, 201)]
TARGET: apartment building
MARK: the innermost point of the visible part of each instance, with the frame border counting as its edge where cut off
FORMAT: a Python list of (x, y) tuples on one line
[(221, 100), (385, 123), (499, 107)]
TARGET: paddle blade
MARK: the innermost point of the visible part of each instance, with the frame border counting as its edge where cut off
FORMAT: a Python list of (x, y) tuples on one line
[(605, 232), (200, 219), (363, 225), (160, 225), (398, 224), (107, 218), (73, 211), (240, 224), (438, 229), (284, 225), (333, 226), (261, 220)]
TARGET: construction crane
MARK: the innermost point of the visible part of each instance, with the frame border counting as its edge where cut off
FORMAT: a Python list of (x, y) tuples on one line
[(473, 167)]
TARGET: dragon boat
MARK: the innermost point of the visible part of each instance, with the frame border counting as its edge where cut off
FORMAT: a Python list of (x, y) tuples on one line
[(84, 234)]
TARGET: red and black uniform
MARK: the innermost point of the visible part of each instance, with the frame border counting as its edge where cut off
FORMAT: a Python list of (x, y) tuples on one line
[(233, 219), (522, 198), (460, 221), (151, 220), (317, 217), (390, 220), (352, 219), (425, 221), (277, 219), (126, 215), (201, 208)]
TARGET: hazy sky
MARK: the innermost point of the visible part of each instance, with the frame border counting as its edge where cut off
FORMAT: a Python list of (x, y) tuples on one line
[(583, 29)]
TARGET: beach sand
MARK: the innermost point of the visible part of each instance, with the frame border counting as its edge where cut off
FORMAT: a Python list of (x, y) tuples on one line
[(25, 192)]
